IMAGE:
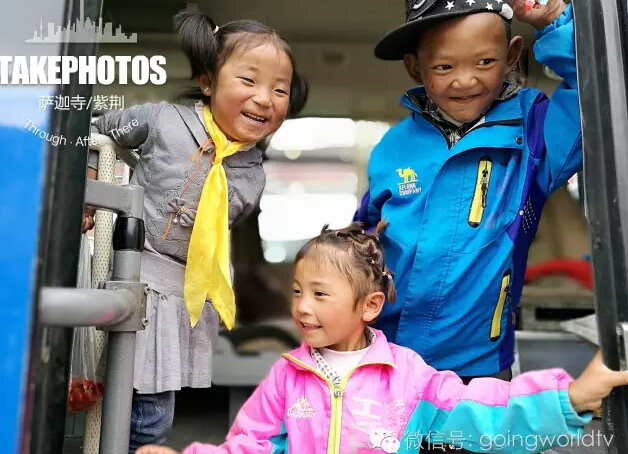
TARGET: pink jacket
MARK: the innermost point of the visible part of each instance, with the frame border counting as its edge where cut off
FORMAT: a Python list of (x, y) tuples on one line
[(391, 402)]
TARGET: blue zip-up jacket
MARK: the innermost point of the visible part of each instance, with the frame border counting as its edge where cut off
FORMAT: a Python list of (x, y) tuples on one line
[(462, 219)]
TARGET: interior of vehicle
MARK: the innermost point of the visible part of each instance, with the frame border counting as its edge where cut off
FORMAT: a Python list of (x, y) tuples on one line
[(353, 98), (316, 168)]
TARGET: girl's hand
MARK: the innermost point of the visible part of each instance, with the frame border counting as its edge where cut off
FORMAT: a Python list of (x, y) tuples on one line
[(539, 16), (155, 449), (596, 382), (88, 219)]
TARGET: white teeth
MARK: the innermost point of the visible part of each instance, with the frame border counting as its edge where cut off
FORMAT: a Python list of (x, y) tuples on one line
[(254, 117)]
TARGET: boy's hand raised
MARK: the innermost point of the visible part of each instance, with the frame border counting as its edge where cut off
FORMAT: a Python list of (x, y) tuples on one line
[(595, 383), (539, 17)]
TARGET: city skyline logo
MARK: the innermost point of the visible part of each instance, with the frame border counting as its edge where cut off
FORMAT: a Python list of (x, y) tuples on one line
[(84, 30)]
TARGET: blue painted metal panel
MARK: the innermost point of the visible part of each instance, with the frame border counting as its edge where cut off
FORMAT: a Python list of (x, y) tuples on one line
[(22, 174)]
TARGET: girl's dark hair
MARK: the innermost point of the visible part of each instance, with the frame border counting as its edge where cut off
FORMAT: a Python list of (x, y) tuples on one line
[(357, 254), (208, 49)]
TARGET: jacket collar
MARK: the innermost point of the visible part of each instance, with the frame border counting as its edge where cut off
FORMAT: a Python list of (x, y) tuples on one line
[(192, 116), (379, 353), (417, 100), (193, 122)]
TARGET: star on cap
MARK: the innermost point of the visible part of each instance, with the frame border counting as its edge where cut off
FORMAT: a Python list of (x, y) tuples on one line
[(499, 2), (449, 6), (489, 7), (507, 11), (470, 2)]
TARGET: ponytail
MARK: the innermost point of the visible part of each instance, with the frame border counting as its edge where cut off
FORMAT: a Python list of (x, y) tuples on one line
[(388, 285), (198, 41), (299, 92)]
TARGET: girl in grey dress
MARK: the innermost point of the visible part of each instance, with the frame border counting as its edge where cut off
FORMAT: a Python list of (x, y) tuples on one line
[(248, 81)]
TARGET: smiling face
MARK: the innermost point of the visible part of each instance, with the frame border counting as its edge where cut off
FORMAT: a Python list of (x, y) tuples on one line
[(249, 99), (462, 63), (324, 304)]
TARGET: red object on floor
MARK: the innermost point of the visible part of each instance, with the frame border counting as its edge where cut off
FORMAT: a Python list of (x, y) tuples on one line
[(578, 270)]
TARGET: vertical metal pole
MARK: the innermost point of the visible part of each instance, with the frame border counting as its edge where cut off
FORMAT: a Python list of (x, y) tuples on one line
[(601, 44), (101, 264), (116, 414)]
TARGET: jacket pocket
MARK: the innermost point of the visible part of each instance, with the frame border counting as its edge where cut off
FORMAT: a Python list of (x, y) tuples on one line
[(480, 193), (496, 323)]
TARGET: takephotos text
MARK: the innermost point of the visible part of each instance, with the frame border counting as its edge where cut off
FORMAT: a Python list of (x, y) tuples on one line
[(91, 70)]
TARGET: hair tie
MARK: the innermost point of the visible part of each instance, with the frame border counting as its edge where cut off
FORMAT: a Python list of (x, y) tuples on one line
[(215, 30), (372, 262), (387, 275)]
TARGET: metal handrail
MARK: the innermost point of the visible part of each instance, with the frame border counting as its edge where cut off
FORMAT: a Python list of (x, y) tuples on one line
[(117, 307)]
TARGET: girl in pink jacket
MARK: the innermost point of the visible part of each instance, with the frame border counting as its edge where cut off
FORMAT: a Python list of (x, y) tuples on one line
[(348, 390)]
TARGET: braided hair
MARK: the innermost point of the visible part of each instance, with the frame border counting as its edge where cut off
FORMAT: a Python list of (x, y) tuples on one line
[(357, 254)]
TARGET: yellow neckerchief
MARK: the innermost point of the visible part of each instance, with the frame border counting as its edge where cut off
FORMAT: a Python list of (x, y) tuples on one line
[(207, 271)]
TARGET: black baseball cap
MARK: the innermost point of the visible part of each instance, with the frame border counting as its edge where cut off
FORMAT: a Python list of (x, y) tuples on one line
[(421, 14)]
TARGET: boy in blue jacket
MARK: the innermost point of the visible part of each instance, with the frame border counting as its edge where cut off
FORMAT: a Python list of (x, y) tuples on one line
[(462, 181)]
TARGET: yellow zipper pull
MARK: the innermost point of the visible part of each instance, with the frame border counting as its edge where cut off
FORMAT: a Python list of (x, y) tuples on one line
[(484, 185), (480, 191), (496, 327)]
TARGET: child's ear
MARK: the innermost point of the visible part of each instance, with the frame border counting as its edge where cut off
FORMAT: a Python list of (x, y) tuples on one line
[(372, 306), (514, 53), (412, 66), (206, 83)]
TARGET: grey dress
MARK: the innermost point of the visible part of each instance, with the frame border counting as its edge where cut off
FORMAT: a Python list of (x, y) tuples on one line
[(169, 354)]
